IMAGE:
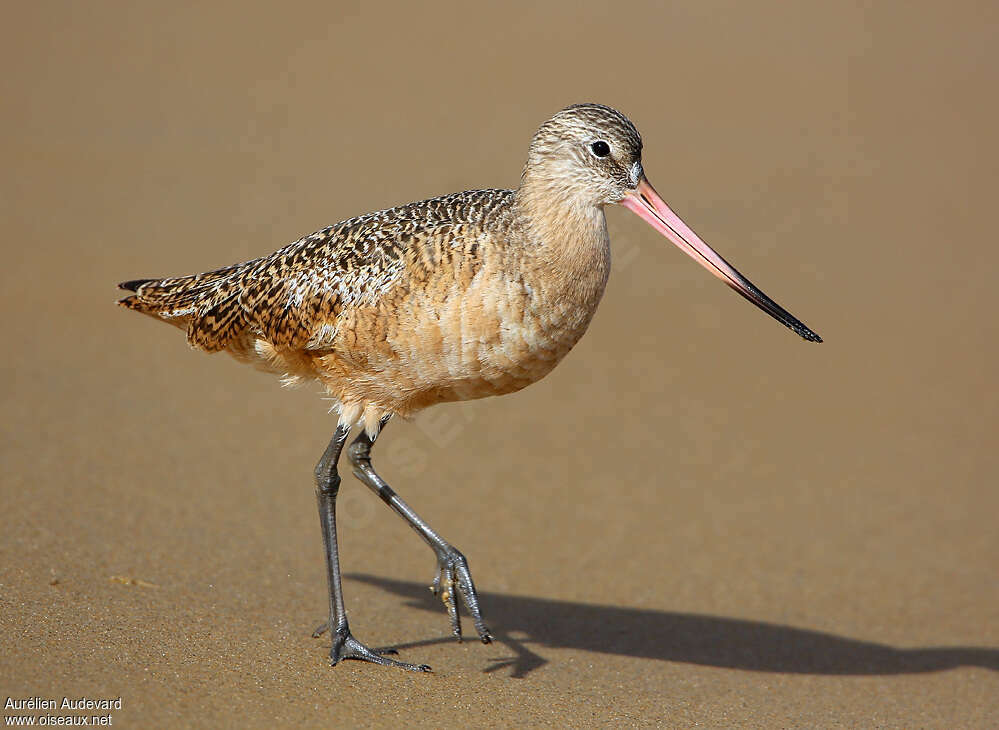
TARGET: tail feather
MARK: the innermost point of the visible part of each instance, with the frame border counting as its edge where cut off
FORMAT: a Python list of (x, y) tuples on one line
[(203, 304), (219, 322), (134, 284)]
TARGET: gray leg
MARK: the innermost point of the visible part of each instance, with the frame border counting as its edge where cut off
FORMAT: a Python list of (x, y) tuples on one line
[(452, 568), (345, 646)]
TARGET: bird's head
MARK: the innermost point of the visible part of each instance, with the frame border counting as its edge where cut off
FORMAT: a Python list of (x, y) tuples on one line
[(589, 155)]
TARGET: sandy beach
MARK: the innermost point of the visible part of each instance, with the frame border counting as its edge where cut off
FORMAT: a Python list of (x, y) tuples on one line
[(696, 520)]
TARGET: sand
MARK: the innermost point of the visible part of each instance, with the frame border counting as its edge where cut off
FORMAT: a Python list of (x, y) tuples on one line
[(696, 520)]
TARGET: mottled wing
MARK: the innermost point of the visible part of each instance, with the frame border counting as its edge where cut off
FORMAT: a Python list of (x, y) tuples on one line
[(300, 290), (293, 297)]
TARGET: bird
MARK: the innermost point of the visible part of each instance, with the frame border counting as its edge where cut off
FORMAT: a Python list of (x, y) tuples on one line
[(458, 297)]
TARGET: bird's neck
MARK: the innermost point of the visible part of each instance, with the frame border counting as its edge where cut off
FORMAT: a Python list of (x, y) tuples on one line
[(567, 242)]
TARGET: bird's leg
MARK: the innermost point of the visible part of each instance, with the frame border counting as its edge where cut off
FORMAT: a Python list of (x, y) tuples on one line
[(345, 646), (452, 574)]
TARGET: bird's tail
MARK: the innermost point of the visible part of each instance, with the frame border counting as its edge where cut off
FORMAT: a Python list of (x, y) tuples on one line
[(206, 305)]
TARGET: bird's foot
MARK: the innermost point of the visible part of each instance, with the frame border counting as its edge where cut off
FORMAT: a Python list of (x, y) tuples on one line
[(345, 646), (453, 575)]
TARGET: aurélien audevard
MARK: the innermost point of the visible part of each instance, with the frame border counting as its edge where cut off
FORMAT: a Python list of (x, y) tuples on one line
[(66, 703)]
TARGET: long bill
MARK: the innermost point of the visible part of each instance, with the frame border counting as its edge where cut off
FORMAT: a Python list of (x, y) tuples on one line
[(646, 203)]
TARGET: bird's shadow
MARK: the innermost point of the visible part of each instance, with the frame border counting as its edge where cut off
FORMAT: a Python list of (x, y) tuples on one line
[(712, 641)]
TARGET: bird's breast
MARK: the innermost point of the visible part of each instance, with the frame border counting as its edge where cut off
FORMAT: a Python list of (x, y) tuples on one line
[(506, 326)]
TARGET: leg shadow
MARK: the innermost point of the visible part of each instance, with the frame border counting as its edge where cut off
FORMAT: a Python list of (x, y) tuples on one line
[(677, 637)]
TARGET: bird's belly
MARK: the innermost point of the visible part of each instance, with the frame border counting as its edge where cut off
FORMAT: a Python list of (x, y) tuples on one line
[(485, 340), (485, 337)]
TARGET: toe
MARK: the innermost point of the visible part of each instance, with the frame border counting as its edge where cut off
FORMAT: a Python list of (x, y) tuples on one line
[(347, 647)]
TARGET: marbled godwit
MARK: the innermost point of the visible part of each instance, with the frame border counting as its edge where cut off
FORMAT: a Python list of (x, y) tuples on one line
[(464, 296)]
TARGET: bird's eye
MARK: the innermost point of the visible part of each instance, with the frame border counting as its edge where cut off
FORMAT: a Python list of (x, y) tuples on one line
[(600, 148)]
